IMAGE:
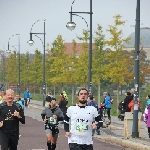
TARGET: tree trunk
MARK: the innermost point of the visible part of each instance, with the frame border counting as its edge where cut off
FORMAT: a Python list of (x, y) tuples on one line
[(62, 89), (54, 90), (34, 92), (72, 94), (117, 97), (99, 96), (41, 92)]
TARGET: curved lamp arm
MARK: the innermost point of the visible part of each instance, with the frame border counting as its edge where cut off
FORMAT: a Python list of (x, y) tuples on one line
[(10, 39), (40, 40), (35, 23), (81, 18)]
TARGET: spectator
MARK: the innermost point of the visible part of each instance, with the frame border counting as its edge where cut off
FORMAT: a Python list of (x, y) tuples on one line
[(63, 105), (107, 103), (27, 96), (126, 101), (93, 103), (49, 97)]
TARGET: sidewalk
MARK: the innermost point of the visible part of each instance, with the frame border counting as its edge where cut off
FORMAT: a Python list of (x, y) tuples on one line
[(115, 132)]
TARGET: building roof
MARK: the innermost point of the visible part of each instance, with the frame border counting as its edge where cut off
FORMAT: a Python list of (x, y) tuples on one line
[(69, 48), (144, 38)]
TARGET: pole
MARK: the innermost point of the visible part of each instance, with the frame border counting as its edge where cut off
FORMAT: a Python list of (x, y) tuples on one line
[(44, 84), (3, 80), (19, 64), (90, 52), (135, 133)]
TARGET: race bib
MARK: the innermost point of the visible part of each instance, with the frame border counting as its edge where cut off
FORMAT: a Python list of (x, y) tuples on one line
[(52, 120), (81, 127)]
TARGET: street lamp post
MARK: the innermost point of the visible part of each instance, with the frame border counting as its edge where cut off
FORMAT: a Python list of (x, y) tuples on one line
[(3, 68), (9, 51), (135, 132), (71, 25), (44, 73)]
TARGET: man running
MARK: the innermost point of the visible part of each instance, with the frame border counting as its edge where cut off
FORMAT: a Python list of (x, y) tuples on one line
[(10, 115), (82, 122)]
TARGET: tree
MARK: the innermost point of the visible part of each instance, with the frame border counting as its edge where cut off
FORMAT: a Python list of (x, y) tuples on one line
[(98, 58), (116, 64), (82, 65), (59, 63), (72, 61), (25, 68), (11, 68), (37, 68)]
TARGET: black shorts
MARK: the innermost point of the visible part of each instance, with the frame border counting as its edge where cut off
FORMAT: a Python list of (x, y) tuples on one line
[(75, 146), (10, 141)]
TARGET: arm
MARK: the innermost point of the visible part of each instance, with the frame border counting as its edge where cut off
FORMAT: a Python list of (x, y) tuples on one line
[(60, 117), (99, 121), (59, 101), (43, 114), (66, 123), (124, 102), (66, 119), (21, 117), (106, 101)]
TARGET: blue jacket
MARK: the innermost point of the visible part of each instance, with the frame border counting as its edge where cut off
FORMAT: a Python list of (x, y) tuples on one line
[(92, 103), (21, 103), (27, 94), (107, 103)]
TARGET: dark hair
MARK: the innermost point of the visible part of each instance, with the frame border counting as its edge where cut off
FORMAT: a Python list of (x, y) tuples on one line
[(83, 89), (128, 93), (148, 96), (91, 97)]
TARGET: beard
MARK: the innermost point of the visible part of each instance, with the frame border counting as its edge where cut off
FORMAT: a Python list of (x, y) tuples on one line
[(83, 101)]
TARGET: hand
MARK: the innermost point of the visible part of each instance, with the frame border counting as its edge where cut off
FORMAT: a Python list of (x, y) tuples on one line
[(67, 134), (1, 123), (17, 114), (45, 120), (93, 125), (54, 116)]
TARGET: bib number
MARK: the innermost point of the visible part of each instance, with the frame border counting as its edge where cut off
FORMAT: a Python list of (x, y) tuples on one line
[(52, 120), (80, 127)]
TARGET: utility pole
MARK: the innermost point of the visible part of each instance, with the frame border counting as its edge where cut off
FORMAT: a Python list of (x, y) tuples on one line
[(135, 133)]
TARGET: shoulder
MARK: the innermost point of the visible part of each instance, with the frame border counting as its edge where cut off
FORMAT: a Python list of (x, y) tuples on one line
[(2, 104), (71, 108), (57, 108)]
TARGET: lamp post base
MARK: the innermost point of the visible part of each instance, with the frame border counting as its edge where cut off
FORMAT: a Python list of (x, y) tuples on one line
[(135, 134)]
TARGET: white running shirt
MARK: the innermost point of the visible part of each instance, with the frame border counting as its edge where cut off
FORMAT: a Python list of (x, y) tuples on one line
[(81, 119)]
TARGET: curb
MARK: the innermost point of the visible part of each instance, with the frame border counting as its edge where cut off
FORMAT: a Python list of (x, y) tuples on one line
[(115, 127), (125, 143)]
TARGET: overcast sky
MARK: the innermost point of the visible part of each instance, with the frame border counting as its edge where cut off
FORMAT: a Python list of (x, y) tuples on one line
[(17, 17)]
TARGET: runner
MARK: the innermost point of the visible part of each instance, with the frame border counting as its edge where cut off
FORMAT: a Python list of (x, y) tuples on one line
[(10, 115), (51, 115), (82, 122), (19, 101)]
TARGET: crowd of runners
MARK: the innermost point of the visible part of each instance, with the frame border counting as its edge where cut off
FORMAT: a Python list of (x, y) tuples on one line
[(80, 120)]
